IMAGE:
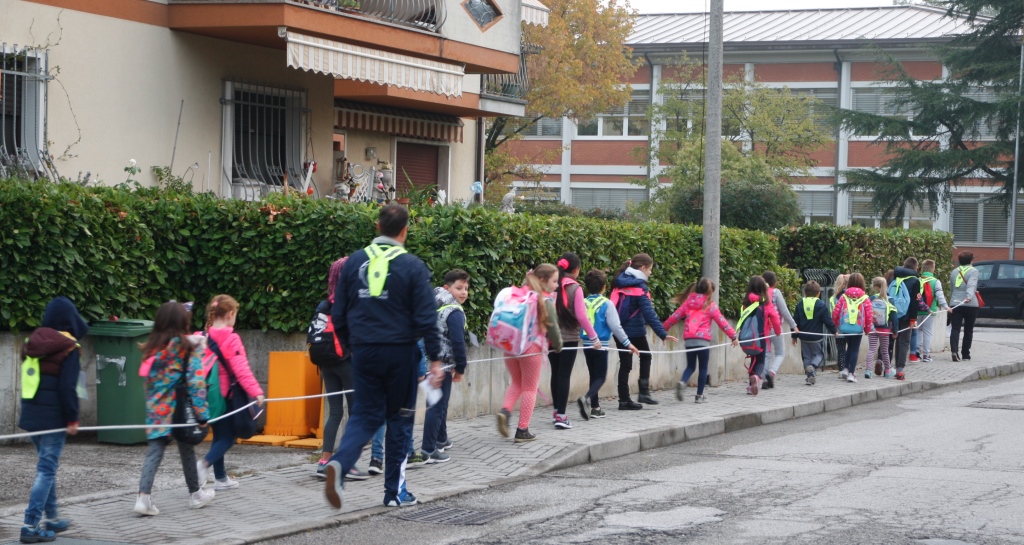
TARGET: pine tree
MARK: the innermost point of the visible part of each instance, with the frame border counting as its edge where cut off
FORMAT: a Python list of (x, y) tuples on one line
[(934, 130)]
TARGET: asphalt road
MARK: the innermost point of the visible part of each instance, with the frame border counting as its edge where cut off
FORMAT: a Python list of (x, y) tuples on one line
[(934, 468)]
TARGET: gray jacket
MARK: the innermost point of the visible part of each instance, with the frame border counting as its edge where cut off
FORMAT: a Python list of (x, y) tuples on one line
[(779, 301), (968, 287)]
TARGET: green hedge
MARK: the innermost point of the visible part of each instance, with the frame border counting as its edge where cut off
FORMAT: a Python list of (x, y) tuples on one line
[(121, 252), (870, 252)]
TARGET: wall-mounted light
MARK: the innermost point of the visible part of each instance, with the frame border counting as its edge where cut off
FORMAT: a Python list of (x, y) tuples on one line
[(371, 153)]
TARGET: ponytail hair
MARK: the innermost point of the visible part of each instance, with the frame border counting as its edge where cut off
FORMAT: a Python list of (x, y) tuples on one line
[(757, 286), (332, 277), (535, 280), (639, 260), (682, 296), (220, 306), (566, 264)]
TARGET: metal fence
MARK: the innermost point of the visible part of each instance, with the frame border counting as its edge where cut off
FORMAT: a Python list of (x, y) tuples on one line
[(24, 74), (424, 14), (514, 86)]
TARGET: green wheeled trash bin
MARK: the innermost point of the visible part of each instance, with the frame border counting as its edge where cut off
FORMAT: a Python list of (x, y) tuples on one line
[(120, 391)]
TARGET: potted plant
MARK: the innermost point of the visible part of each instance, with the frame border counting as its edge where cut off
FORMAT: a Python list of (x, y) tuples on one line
[(424, 196)]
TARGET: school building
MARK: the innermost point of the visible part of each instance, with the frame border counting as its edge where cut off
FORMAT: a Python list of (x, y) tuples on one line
[(831, 54), (242, 97)]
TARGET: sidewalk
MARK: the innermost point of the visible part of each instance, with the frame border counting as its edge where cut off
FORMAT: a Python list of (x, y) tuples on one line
[(278, 502)]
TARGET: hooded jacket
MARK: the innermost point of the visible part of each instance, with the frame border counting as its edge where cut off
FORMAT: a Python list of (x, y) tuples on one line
[(639, 310), (772, 322), (55, 404), (451, 320), (231, 346), (865, 316), (913, 283), (698, 319), (169, 367)]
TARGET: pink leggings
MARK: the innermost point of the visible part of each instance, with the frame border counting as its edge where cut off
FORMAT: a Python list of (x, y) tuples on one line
[(525, 372)]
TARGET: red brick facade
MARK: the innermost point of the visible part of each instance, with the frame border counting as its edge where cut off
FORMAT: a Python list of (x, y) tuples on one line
[(873, 71), (804, 71), (606, 152)]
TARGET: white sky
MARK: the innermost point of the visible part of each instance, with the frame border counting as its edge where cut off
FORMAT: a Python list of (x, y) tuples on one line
[(683, 6)]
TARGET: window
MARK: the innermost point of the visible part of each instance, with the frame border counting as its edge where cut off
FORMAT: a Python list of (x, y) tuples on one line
[(484, 12), (981, 219), (817, 206), (1010, 272), (23, 78), (606, 199), (538, 194), (269, 129), (863, 213), (630, 120), (985, 272), (985, 129), (882, 102), (824, 101), (545, 127)]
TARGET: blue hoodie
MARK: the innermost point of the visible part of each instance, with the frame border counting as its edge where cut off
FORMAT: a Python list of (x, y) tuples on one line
[(639, 309), (55, 404)]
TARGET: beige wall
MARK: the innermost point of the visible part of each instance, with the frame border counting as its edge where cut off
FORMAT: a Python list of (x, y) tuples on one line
[(500, 36), (125, 82)]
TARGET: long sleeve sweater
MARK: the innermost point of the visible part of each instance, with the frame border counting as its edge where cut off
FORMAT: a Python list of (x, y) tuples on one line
[(779, 301)]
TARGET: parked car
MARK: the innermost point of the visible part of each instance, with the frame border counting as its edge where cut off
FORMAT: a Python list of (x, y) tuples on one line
[(1001, 284)]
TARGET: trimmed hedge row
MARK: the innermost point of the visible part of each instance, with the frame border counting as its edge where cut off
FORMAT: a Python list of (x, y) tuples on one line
[(120, 252), (870, 252)]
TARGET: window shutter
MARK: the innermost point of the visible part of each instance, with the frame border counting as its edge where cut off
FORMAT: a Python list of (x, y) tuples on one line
[(548, 126), (964, 219), (816, 203), (419, 162), (639, 103), (860, 206), (606, 199), (1019, 234), (993, 222)]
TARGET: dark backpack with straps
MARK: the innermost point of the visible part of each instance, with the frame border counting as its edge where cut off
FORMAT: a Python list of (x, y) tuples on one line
[(243, 422)]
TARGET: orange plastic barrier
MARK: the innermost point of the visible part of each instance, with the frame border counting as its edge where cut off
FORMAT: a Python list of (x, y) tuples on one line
[(291, 374)]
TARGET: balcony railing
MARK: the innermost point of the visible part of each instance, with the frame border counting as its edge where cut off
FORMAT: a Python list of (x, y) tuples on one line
[(513, 86), (424, 14)]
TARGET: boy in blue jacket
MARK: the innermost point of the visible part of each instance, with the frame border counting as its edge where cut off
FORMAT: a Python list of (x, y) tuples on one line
[(812, 319)]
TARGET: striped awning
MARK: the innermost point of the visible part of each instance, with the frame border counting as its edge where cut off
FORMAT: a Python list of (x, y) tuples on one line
[(398, 121), (535, 13), (345, 61)]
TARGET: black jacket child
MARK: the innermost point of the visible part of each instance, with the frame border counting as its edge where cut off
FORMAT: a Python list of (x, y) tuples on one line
[(820, 320), (55, 404)]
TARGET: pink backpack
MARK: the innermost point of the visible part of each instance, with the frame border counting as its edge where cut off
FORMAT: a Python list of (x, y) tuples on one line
[(513, 324)]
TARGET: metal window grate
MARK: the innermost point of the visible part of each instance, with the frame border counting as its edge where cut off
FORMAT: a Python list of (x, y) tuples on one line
[(450, 515), (24, 74)]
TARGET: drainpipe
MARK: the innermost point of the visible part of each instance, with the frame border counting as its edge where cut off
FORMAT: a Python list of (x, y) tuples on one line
[(481, 146), (838, 66), (650, 133)]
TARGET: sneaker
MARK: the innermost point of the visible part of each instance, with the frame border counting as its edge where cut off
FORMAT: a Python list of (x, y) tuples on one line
[(356, 474), (554, 416), (37, 534), (144, 506), (201, 497), (926, 358), (447, 445), (562, 423), (57, 525), (867, 373), (584, 404), (597, 412), (878, 368), (843, 374), (901, 376), (524, 436), (503, 416), (630, 406), (376, 467), (438, 457), (405, 499), (680, 390), (810, 372), (333, 488), (769, 381), (227, 483), (851, 378), (913, 357), (967, 357), (956, 357), (700, 399), (321, 466), (204, 472), (755, 385), (416, 459), (890, 373), (809, 381)]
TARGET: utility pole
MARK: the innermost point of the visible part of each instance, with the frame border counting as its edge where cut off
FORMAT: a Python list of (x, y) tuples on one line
[(713, 149), (1016, 159)]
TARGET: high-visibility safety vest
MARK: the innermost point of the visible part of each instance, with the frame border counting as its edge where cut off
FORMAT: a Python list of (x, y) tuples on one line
[(964, 269), (809, 303), (377, 270)]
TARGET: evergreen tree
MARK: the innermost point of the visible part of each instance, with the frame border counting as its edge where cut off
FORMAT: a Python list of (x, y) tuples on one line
[(948, 133)]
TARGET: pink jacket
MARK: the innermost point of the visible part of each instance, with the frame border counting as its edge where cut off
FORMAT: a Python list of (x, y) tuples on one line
[(230, 345), (772, 321), (865, 317), (698, 318)]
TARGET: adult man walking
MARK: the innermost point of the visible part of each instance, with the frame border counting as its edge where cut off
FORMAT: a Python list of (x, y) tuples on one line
[(383, 304)]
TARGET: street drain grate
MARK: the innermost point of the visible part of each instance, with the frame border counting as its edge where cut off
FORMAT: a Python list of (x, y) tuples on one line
[(1012, 402), (450, 515)]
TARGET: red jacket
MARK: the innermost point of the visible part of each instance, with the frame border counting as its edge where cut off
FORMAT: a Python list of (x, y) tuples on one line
[(772, 321)]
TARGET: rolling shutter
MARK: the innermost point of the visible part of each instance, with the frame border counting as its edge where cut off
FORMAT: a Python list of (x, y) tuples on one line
[(606, 199), (964, 220), (816, 203), (419, 162)]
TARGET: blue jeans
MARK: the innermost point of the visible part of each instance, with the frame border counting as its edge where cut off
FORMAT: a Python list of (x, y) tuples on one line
[(384, 377), (852, 352), (223, 439), (435, 423), (43, 497), (377, 447)]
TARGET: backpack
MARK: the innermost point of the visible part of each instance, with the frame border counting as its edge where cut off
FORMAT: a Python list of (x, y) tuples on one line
[(899, 294), (849, 316), (512, 327), (751, 330), (880, 312), (216, 405), (595, 303), (928, 302), (620, 298), (321, 331)]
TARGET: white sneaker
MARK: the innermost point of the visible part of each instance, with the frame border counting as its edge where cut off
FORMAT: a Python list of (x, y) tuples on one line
[(200, 498), (843, 374), (204, 472), (226, 484), (144, 506), (851, 378)]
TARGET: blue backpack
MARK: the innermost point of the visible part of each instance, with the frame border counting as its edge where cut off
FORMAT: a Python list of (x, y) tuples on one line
[(849, 315), (899, 296), (751, 330)]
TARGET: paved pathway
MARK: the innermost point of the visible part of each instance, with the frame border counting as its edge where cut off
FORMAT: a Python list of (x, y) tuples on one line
[(288, 500)]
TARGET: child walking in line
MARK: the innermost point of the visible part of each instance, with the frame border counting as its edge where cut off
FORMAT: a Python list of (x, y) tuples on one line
[(934, 300), (853, 318), (632, 299), (778, 300), (884, 316), (524, 369), (812, 319), (451, 321), (605, 319), (335, 369), (697, 310), (170, 360), (220, 328), (759, 308), (50, 402), (571, 310), (837, 291)]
